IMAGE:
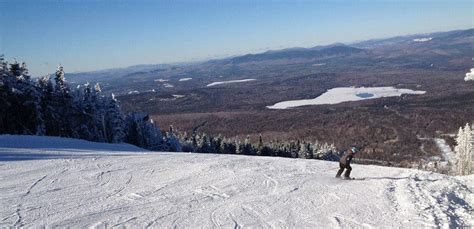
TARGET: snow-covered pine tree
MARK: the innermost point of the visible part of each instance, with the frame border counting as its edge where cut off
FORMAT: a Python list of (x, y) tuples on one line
[(152, 135), (260, 145), (46, 90), (142, 132), (459, 149), (20, 113), (25, 75), (223, 145), (172, 141), (115, 123), (304, 151), (15, 69), (88, 128), (247, 148), (464, 162), (186, 142), (203, 144), (464, 151), (100, 112), (6, 96), (63, 107), (32, 103), (3, 63), (217, 144), (93, 108), (238, 146), (61, 85), (228, 146)]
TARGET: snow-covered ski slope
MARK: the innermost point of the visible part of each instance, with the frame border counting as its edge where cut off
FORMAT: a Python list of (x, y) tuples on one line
[(76, 183)]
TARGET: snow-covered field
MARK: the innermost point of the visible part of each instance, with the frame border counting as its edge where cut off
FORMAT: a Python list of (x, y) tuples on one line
[(424, 39), (47, 181), (161, 80), (229, 81), (346, 94), (178, 96)]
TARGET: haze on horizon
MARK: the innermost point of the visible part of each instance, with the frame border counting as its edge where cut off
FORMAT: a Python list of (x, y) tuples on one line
[(94, 35)]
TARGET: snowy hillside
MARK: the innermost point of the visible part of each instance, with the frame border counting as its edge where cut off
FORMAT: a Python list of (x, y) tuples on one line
[(76, 183)]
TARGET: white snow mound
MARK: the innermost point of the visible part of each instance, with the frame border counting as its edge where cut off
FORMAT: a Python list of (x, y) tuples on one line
[(184, 79), (88, 186)]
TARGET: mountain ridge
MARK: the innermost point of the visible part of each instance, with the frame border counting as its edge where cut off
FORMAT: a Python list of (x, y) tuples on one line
[(365, 44)]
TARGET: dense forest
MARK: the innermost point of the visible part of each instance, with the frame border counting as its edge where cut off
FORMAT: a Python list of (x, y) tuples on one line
[(52, 107)]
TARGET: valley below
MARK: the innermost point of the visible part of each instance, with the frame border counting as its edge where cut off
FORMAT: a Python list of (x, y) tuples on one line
[(231, 97)]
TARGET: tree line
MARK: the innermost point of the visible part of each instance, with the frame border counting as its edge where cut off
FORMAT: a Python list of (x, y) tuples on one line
[(50, 106), (202, 143)]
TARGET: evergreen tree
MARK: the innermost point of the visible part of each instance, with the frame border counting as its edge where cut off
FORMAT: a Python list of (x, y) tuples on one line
[(142, 132), (247, 148), (115, 123), (65, 111), (172, 141), (15, 69), (46, 90), (20, 99), (260, 145), (304, 151), (187, 142), (24, 72), (61, 86), (464, 151), (3, 64), (203, 144)]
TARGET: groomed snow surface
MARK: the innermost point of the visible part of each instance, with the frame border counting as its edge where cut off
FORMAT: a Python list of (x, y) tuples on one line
[(345, 94), (74, 183), (229, 81)]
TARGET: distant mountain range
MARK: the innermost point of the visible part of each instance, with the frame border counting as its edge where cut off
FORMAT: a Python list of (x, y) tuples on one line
[(410, 38), (315, 52), (336, 49), (81, 77)]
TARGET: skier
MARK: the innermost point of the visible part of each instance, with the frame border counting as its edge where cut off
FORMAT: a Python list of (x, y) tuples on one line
[(345, 163)]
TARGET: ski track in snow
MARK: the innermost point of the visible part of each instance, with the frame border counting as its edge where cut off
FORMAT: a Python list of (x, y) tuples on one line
[(180, 190)]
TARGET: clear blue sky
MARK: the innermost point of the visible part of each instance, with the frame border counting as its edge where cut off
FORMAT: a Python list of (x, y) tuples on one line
[(91, 35)]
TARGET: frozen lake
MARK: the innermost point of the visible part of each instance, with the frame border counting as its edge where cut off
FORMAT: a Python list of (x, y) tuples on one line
[(346, 94), (229, 81)]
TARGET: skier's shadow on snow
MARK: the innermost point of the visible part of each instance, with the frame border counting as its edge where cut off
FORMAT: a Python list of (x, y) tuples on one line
[(399, 178), (387, 178)]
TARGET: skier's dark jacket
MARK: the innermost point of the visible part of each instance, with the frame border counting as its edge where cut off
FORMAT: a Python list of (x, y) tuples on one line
[(347, 158)]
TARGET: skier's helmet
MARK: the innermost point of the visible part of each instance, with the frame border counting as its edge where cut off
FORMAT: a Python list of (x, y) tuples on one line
[(355, 149)]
